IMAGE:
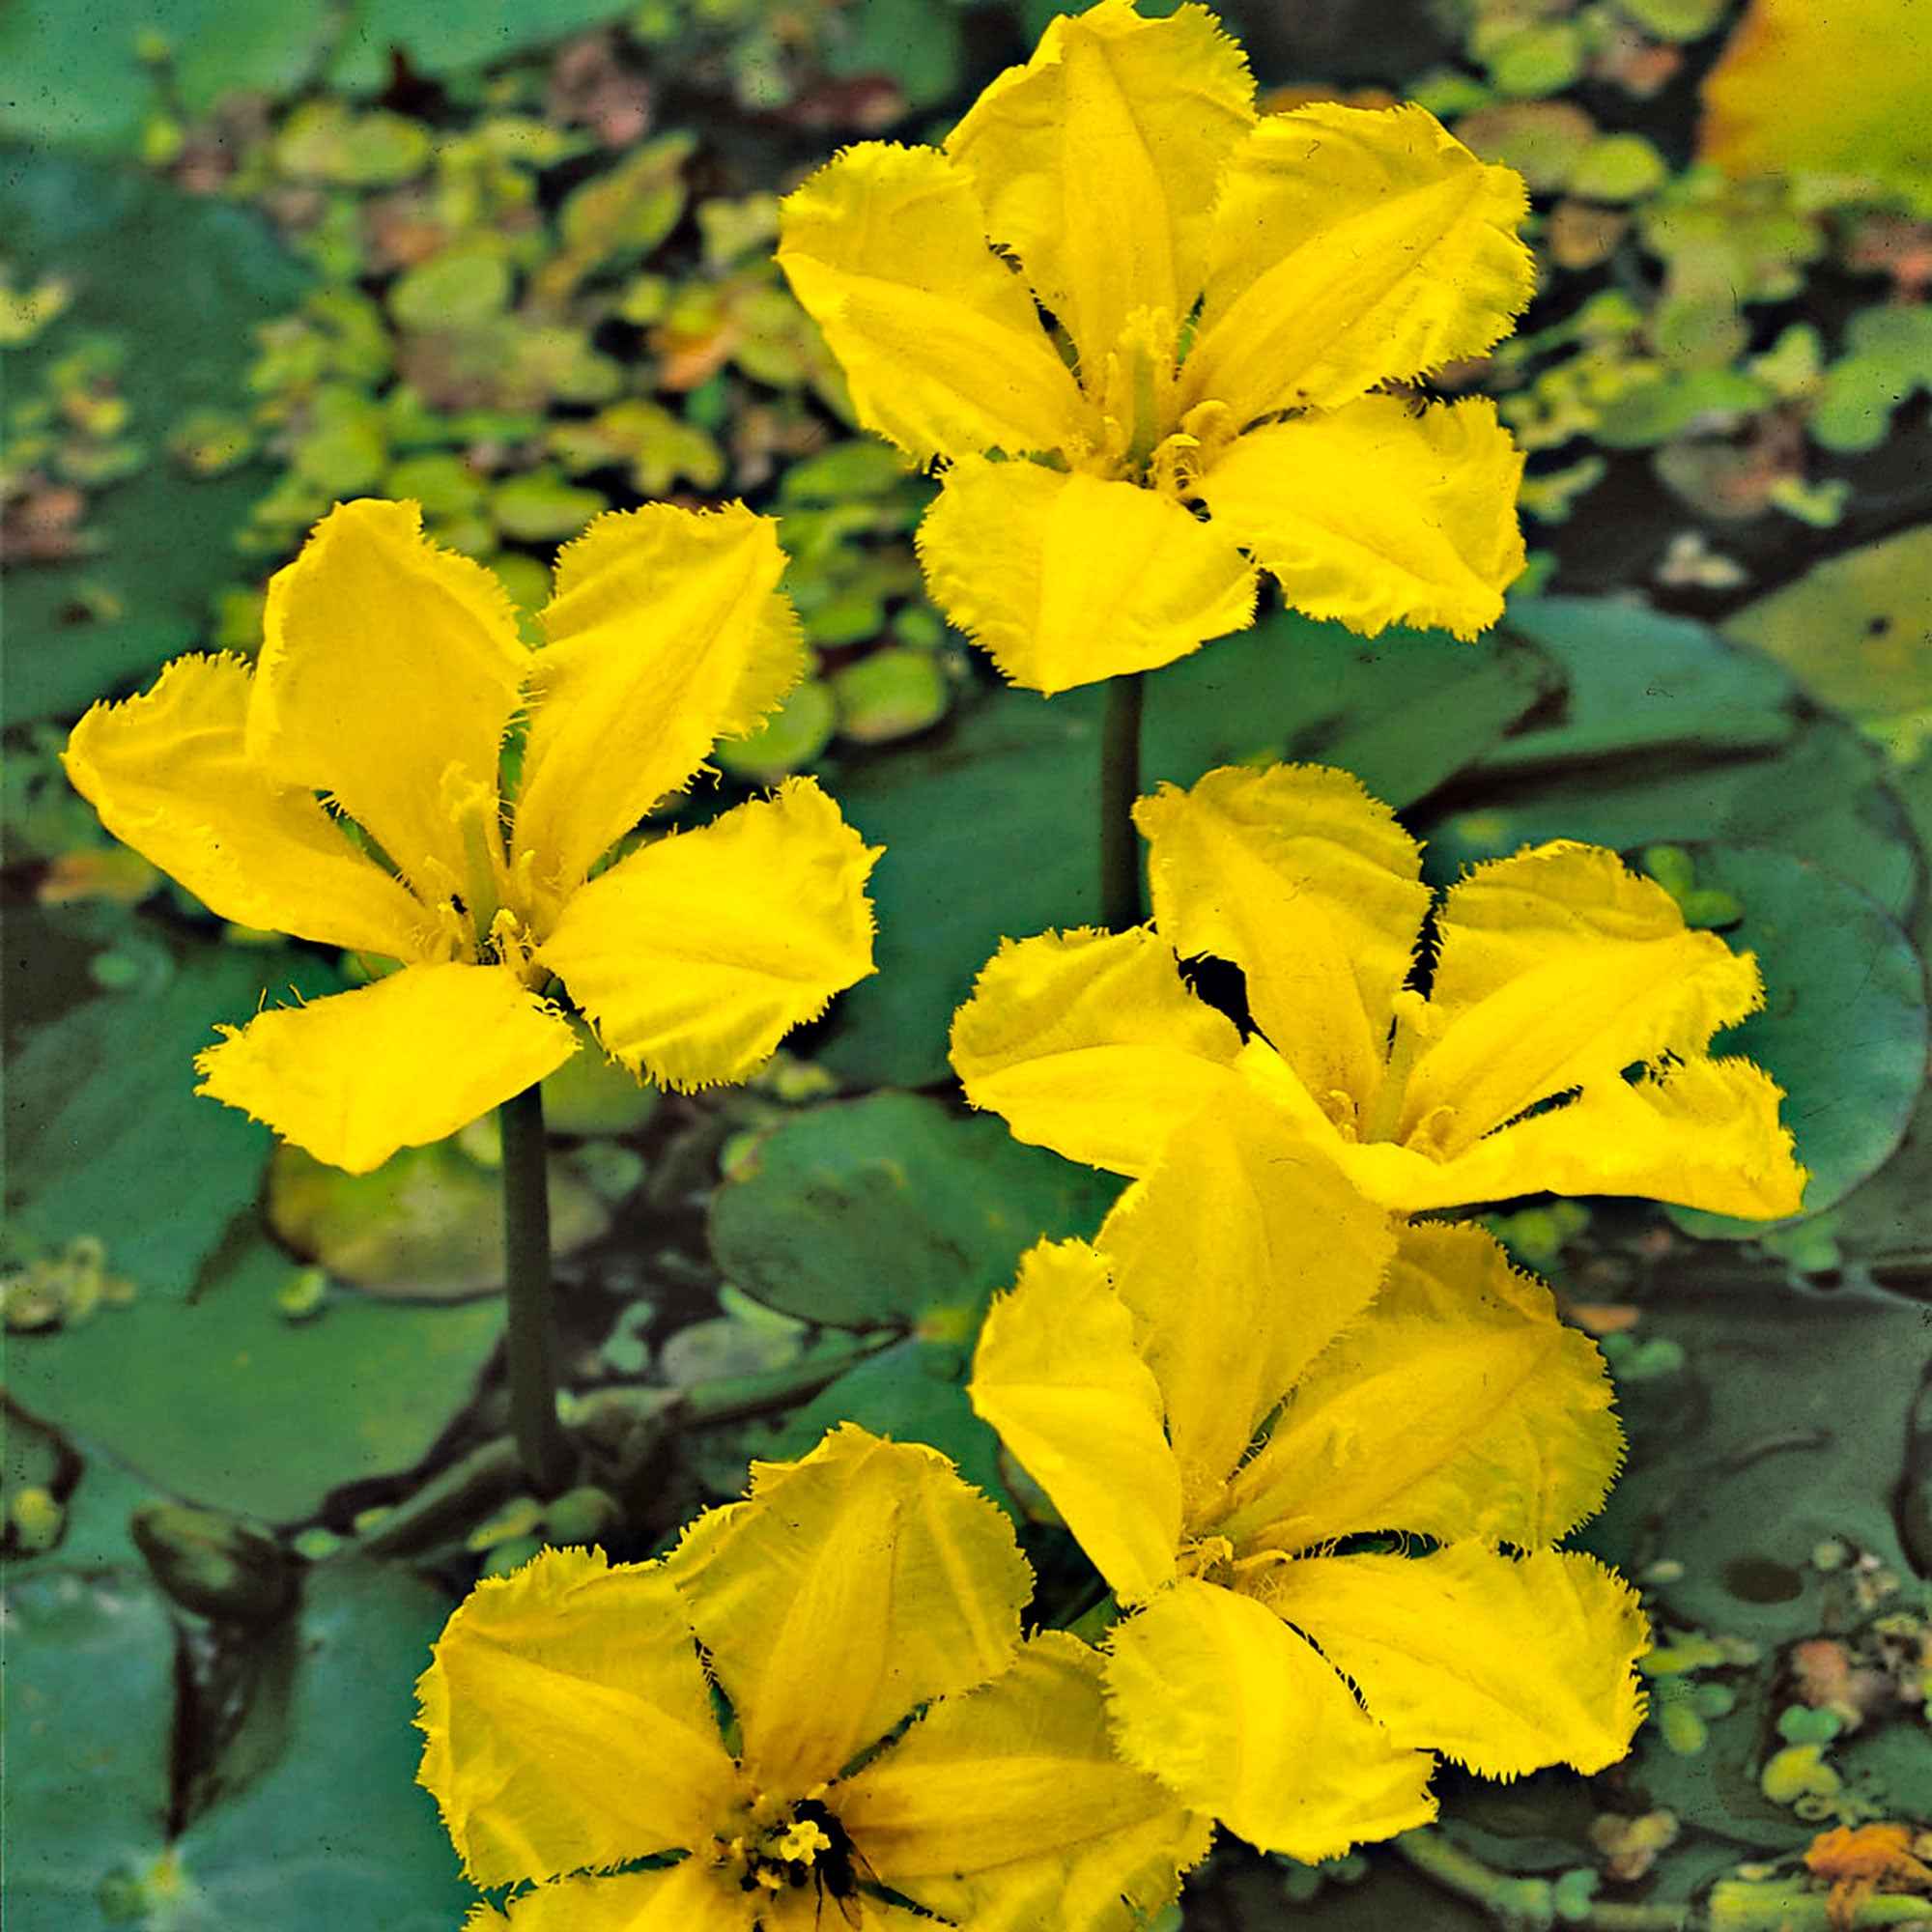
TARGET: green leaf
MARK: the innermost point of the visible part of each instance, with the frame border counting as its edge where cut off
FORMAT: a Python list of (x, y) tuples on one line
[(1636, 679), (1670, 737), (106, 1135), (77, 76), (427, 1224), (891, 693), (917, 46), (335, 1832), (460, 286), (76, 630), (1744, 1464), (992, 831), (893, 1209), (1784, 1436), (914, 1391), (85, 1802), (227, 1403), (1843, 1029), (440, 41), (1856, 632)]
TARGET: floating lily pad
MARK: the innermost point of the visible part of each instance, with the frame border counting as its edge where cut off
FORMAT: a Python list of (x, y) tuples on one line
[(1782, 1436), (441, 41), (1856, 633), (428, 1224), (106, 1135), (914, 1391), (90, 1689), (1670, 736), (76, 630), (1843, 1029), (225, 1402), (1786, 1429), (991, 830), (93, 77), (893, 1211), (335, 1832)]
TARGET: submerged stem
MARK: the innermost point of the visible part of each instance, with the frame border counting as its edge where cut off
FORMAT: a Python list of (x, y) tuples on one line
[(1120, 786), (529, 1344)]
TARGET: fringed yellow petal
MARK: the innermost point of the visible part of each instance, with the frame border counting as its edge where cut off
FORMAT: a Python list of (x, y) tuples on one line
[(853, 1585), (1242, 1256), (1064, 579), (390, 670), (169, 774), (696, 956), (568, 1723), (1459, 1407), (1704, 1134), (667, 632), (407, 1061), (690, 1896), (1007, 1809), (1096, 160), (1505, 1665), (1058, 1375), (941, 344), (1090, 1043), (1212, 1694), (1557, 969), (1312, 888), (1352, 246), (1378, 514)]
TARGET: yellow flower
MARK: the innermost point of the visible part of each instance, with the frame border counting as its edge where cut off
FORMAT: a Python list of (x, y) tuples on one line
[(572, 1726), (1552, 978), (1217, 1397), (1234, 292), (390, 673)]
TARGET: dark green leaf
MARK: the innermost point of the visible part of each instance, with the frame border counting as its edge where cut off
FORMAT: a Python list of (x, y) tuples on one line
[(913, 1392), (440, 41), (893, 1210), (106, 1135), (1785, 1429), (1638, 679), (76, 75), (89, 1705), (228, 1402), (1843, 1029), (336, 1831), (1671, 736)]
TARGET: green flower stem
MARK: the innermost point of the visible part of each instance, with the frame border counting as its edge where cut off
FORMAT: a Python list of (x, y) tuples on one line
[(1120, 786), (1793, 1904), (1508, 1899), (740, 1398), (530, 1344)]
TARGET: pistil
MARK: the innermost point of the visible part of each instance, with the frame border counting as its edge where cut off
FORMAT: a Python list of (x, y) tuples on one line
[(1413, 1029)]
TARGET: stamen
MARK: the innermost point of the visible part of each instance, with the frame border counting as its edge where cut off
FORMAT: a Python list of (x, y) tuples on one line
[(804, 1843), (474, 809)]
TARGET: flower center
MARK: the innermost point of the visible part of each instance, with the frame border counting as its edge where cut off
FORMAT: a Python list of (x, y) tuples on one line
[(803, 1845)]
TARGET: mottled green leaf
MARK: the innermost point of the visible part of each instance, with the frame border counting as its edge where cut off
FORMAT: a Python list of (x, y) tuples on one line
[(124, 241), (893, 1209)]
